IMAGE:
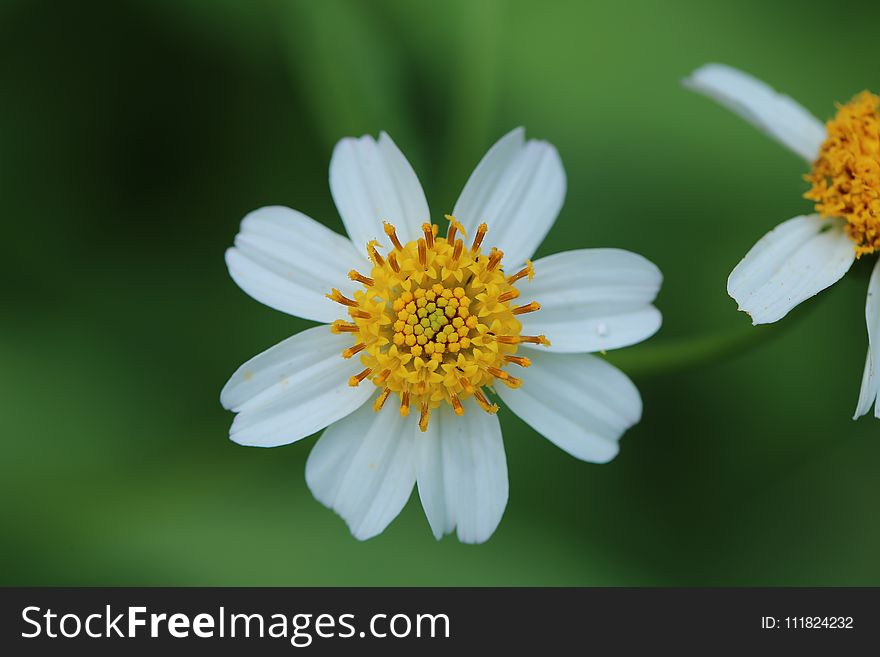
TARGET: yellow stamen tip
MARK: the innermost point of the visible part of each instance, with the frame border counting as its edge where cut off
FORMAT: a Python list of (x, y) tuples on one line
[(380, 400), (482, 229), (340, 326), (527, 308), (391, 232), (454, 227), (373, 253), (522, 361), (351, 351), (424, 417)]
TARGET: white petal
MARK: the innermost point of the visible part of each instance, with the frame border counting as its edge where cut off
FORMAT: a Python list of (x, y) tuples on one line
[(363, 467), (288, 261), (372, 182), (592, 300), (462, 473), (294, 389), (870, 379), (777, 115), (579, 402), (793, 262), (518, 189)]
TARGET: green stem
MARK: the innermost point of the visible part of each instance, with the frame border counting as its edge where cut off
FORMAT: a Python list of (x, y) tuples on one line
[(675, 355)]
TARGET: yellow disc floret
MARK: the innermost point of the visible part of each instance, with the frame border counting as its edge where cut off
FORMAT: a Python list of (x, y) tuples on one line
[(846, 176), (435, 322)]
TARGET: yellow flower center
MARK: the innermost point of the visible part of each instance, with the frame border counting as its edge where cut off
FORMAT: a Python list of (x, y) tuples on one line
[(846, 176), (435, 321)]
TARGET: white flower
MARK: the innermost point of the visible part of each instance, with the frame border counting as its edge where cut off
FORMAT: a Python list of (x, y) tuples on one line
[(434, 323), (803, 256)]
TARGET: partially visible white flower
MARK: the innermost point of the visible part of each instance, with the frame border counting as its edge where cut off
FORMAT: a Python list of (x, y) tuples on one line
[(803, 256), (435, 324)]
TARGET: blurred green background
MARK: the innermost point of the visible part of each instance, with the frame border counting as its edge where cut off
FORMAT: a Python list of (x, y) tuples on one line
[(135, 135)]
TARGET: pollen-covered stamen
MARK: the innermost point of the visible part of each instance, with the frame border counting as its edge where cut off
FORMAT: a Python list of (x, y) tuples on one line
[(485, 403), (380, 400), (423, 252), (454, 227), (351, 351), (846, 176), (424, 416), (392, 261), (450, 234), (522, 361), (528, 270), (434, 322), (456, 404), (374, 254), (520, 339), (494, 259), (511, 381), (391, 232), (355, 380), (526, 308), (343, 327), (338, 297), (428, 230), (360, 278), (478, 238), (456, 251)]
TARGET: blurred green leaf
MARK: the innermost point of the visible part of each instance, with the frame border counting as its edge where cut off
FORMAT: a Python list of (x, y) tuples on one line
[(350, 67)]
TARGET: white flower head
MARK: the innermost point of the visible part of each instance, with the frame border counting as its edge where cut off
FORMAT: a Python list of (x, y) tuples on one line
[(803, 256), (420, 327)]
